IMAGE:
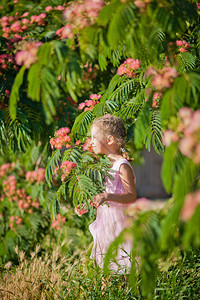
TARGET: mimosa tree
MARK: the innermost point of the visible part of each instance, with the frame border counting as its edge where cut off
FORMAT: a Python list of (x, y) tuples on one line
[(138, 60)]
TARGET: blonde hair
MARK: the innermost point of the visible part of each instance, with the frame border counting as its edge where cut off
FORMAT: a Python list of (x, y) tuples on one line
[(114, 126)]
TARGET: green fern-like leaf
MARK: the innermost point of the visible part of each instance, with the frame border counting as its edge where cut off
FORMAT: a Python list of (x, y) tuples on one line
[(155, 40), (50, 91), (3, 139), (35, 221), (187, 88), (170, 104), (18, 131), (104, 107), (191, 236), (81, 189), (182, 185), (55, 204), (102, 61), (112, 251), (188, 60), (81, 124), (184, 179), (130, 108), (171, 156), (52, 164), (156, 132), (14, 96), (115, 81), (49, 36), (128, 111), (142, 125), (97, 174), (73, 154), (44, 54), (122, 92), (148, 129), (121, 20), (34, 86), (169, 22)]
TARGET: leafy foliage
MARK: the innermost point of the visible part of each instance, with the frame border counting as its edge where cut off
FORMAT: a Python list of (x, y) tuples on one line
[(42, 95), (84, 181), (22, 220)]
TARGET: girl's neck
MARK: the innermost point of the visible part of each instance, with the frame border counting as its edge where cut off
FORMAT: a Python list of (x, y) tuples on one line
[(114, 157)]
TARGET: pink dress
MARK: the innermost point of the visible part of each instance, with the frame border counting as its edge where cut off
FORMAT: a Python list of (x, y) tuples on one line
[(109, 223)]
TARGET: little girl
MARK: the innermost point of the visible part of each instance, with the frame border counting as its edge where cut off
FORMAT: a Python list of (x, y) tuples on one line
[(108, 137)]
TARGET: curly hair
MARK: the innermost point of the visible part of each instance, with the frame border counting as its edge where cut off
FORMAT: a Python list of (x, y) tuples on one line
[(114, 126)]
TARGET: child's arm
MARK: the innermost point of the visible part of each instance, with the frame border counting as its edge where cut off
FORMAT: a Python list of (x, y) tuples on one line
[(128, 181)]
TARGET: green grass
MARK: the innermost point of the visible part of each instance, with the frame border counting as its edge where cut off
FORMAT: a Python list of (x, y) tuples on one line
[(58, 277)]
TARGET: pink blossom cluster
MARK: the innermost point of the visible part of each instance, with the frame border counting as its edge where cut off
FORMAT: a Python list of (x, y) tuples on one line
[(57, 222), (39, 19), (15, 39), (9, 186), (144, 204), (90, 71), (192, 200), (36, 176), (14, 24), (87, 146), (66, 168), (7, 92), (56, 171), (183, 45), (6, 59), (48, 8), (187, 133), (6, 20), (61, 139), (5, 168), (169, 137), (89, 104), (128, 67), (66, 32), (20, 23), (141, 4), (156, 98), (10, 190), (198, 5), (80, 210), (162, 79), (10, 25), (78, 142), (28, 204), (15, 220), (83, 209), (81, 14), (24, 201), (28, 53), (190, 128), (59, 7)]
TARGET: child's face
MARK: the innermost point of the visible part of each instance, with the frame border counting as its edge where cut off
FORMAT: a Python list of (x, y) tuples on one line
[(98, 140)]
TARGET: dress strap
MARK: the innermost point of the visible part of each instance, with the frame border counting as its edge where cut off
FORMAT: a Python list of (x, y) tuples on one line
[(119, 162)]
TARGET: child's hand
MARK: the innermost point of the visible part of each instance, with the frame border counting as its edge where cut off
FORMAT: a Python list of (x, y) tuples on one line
[(100, 199), (93, 204)]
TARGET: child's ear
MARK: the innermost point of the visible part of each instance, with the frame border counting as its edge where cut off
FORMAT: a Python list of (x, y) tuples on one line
[(110, 139)]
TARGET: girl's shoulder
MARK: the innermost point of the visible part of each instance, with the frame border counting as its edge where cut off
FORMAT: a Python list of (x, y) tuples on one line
[(120, 162)]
